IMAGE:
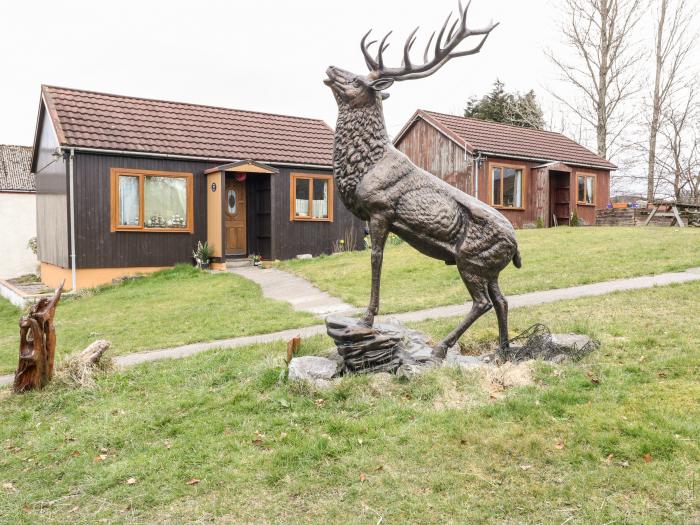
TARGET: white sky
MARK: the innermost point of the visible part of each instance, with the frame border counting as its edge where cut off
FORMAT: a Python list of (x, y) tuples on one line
[(264, 55)]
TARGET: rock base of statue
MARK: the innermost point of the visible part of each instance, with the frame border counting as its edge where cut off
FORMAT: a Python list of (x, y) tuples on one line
[(395, 349), (382, 348)]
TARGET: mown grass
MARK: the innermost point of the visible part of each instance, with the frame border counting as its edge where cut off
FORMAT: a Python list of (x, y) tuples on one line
[(169, 308), (610, 439), (552, 258)]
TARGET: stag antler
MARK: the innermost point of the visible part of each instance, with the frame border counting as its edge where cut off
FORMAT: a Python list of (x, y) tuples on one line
[(441, 55)]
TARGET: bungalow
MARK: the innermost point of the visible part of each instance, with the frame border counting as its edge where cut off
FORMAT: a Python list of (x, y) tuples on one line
[(128, 185), (17, 212), (529, 175)]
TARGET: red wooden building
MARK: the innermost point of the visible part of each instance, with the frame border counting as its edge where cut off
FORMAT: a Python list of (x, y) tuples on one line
[(527, 174)]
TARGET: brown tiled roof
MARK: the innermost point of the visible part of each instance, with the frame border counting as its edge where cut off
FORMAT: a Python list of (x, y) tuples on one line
[(511, 141), (15, 172), (114, 122)]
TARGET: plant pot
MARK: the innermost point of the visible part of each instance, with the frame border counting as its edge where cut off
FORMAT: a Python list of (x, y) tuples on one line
[(204, 266)]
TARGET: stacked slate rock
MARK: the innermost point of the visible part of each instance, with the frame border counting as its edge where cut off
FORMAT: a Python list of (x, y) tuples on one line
[(393, 348)]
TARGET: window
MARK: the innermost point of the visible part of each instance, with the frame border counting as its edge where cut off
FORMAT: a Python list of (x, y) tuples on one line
[(151, 200), (507, 186), (586, 189), (311, 197)]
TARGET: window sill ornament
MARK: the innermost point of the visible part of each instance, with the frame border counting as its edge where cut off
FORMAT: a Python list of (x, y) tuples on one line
[(379, 184)]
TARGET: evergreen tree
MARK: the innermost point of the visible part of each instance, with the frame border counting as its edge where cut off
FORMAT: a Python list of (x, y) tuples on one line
[(508, 108)]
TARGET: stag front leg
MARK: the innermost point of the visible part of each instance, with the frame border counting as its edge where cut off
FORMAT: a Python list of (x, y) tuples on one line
[(378, 232)]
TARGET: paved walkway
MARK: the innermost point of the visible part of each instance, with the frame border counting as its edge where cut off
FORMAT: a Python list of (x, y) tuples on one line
[(514, 301), (297, 291)]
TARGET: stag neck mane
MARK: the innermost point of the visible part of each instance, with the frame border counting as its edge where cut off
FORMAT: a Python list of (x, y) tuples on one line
[(361, 140)]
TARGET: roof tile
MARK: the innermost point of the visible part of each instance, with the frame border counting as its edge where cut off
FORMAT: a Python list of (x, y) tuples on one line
[(104, 121), (515, 142), (15, 171)]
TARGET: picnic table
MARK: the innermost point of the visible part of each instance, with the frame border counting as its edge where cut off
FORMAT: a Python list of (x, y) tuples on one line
[(678, 211)]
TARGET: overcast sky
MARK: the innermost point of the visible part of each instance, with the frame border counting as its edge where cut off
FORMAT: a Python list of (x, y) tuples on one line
[(264, 55)]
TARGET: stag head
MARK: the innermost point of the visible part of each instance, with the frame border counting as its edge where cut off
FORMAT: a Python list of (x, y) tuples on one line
[(362, 90)]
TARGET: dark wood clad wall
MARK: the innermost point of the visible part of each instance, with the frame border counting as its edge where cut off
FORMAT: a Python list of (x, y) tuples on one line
[(437, 154), (532, 203), (98, 247), (259, 213), (291, 238), (51, 199)]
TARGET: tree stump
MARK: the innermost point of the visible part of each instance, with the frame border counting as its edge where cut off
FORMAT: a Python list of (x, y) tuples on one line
[(37, 345)]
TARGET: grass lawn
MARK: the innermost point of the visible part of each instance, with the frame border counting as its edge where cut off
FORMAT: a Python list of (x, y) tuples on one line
[(170, 308), (219, 438), (552, 258)]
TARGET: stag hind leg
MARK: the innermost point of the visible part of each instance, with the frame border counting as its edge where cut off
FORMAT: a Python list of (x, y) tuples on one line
[(500, 305), (478, 289)]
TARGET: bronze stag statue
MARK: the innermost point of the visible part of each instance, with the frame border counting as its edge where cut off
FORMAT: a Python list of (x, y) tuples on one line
[(380, 185)]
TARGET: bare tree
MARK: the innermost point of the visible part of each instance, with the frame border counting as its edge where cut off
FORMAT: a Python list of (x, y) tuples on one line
[(679, 162), (673, 43), (601, 33)]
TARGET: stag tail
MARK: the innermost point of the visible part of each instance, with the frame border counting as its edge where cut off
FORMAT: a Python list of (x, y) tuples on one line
[(516, 259)]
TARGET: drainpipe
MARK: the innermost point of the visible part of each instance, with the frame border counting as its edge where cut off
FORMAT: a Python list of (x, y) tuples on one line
[(477, 159), (72, 218)]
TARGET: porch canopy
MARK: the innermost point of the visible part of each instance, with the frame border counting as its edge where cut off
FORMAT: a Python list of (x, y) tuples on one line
[(244, 166)]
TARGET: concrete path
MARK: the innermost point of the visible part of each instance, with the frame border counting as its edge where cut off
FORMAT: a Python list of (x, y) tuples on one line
[(297, 291), (514, 301)]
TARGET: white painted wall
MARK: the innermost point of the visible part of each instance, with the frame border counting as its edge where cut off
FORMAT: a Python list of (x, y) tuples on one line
[(17, 226)]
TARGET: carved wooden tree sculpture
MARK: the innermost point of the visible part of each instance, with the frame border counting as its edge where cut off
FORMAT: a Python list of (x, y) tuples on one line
[(37, 345), (379, 184)]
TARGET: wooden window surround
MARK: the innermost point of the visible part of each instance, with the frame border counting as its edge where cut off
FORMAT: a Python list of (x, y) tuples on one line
[(492, 193), (303, 209), (584, 198), (139, 223)]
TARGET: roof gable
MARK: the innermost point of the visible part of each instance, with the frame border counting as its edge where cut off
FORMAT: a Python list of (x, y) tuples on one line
[(15, 173), (113, 122), (509, 141)]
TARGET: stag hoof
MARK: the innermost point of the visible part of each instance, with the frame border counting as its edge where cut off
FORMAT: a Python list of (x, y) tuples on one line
[(367, 319), (439, 352)]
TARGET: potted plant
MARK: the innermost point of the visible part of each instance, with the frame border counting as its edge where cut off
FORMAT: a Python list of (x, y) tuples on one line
[(256, 260), (202, 255)]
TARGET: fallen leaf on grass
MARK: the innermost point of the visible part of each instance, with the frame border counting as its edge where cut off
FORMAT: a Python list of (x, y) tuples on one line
[(168, 445), (131, 481), (624, 463), (26, 508), (9, 487), (609, 459), (594, 379), (104, 450), (319, 402), (647, 458), (99, 457), (75, 453), (193, 481), (283, 435), (363, 477), (525, 467), (257, 442), (379, 468), (559, 445)]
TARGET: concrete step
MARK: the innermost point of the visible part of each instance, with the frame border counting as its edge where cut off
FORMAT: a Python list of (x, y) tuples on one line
[(238, 263)]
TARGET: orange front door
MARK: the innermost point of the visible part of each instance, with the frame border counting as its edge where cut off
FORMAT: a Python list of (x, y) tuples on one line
[(235, 218)]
